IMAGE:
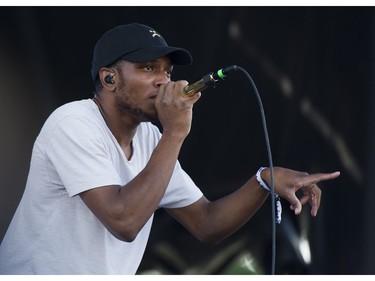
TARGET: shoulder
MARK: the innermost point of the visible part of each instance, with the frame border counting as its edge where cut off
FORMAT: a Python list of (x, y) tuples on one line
[(76, 110), (84, 108), (77, 117)]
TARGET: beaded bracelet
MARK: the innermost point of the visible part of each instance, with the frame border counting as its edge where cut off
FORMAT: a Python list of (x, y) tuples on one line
[(277, 198)]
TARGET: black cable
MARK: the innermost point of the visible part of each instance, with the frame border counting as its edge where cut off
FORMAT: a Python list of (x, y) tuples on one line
[(270, 165), (210, 80)]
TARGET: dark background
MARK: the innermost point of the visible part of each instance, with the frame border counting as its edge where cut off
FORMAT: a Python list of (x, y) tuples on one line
[(314, 69)]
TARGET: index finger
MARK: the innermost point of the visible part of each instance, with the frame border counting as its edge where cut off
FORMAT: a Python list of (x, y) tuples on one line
[(316, 178)]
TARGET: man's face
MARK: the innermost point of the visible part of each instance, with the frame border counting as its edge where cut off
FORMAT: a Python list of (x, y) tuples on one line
[(139, 85)]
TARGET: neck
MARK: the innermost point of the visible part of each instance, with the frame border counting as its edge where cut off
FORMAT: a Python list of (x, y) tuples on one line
[(119, 125)]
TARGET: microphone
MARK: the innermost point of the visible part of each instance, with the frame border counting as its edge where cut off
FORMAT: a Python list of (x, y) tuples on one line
[(208, 80)]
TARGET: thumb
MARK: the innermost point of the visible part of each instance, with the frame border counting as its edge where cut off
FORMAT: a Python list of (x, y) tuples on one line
[(295, 205)]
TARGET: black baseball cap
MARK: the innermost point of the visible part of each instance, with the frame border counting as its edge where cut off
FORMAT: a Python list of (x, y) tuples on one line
[(136, 43)]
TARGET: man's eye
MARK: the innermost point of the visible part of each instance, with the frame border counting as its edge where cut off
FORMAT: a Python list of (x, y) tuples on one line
[(169, 73), (149, 68)]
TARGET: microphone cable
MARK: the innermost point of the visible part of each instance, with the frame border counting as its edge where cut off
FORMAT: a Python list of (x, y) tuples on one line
[(210, 80), (269, 153)]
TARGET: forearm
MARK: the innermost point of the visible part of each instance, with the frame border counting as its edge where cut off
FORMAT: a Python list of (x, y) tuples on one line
[(226, 215), (142, 195), (124, 210)]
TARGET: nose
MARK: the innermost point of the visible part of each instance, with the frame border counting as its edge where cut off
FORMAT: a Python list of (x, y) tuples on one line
[(161, 78)]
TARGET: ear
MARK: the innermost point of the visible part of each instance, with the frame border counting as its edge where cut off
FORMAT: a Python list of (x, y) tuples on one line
[(107, 78)]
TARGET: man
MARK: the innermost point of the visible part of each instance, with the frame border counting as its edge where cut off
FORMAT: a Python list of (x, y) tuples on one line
[(100, 169)]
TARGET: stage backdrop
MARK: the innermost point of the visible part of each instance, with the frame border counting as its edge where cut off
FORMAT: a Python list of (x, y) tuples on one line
[(314, 69)]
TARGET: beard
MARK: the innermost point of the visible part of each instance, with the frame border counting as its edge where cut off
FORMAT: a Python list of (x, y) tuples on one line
[(125, 106)]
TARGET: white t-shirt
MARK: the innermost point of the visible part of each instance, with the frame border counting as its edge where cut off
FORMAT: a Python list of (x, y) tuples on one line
[(53, 231)]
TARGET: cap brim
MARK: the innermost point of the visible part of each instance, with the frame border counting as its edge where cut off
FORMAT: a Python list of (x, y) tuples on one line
[(178, 56)]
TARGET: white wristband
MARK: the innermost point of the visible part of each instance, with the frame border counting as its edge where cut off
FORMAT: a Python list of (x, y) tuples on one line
[(260, 181), (265, 186)]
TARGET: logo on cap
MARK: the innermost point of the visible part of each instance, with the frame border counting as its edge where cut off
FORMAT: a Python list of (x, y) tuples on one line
[(154, 33)]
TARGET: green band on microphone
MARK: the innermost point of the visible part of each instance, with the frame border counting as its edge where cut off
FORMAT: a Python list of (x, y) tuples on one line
[(221, 74)]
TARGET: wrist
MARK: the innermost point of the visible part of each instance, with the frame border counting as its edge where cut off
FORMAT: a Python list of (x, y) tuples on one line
[(259, 179), (174, 136), (278, 209)]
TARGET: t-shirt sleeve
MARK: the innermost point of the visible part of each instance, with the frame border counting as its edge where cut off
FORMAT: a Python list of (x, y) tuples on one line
[(80, 156)]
